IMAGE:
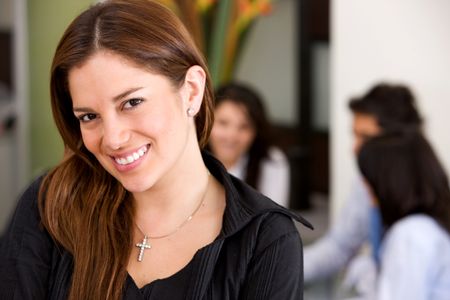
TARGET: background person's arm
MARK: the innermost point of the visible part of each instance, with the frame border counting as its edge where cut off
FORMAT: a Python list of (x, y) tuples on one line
[(332, 252)]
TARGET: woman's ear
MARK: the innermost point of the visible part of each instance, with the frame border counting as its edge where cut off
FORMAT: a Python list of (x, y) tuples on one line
[(194, 89)]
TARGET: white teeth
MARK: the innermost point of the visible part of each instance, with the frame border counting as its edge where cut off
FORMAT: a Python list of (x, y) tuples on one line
[(132, 157)]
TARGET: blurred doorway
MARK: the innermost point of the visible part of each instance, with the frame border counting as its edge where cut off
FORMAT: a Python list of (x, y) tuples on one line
[(13, 104)]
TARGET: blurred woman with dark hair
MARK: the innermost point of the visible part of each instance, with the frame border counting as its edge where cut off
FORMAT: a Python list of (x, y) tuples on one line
[(241, 140), (411, 191)]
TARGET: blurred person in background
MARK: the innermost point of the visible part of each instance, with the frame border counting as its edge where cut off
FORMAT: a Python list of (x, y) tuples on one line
[(383, 108), (410, 219), (241, 140)]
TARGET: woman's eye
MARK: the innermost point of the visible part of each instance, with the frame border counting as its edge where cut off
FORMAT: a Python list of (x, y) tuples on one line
[(87, 117), (132, 103), (222, 122)]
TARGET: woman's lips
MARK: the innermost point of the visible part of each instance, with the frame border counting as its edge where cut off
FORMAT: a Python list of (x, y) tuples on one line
[(132, 157), (129, 161)]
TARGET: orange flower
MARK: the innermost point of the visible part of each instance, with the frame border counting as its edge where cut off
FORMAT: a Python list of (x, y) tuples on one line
[(204, 5), (265, 7), (249, 10)]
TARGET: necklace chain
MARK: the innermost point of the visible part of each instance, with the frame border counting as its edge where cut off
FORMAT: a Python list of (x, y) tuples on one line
[(144, 245), (176, 229)]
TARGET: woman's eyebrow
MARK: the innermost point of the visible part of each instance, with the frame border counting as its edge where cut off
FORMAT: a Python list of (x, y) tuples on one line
[(115, 99), (126, 93)]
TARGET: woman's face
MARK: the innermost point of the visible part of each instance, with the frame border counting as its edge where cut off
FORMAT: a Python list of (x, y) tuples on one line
[(133, 121), (365, 127), (232, 133)]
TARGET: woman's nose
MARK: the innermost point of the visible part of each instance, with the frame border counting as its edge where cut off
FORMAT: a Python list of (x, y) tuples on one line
[(115, 134)]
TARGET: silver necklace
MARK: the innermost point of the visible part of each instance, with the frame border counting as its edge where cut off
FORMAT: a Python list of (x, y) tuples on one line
[(145, 244)]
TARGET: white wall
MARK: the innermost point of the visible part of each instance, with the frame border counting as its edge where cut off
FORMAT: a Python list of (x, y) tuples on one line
[(405, 41)]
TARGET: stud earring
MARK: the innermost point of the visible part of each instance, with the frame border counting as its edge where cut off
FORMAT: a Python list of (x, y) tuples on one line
[(190, 111)]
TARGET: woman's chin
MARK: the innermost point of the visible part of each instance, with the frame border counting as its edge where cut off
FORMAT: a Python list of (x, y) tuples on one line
[(136, 187)]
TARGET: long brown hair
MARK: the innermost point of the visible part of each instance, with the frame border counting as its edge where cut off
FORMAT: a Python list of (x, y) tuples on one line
[(83, 207)]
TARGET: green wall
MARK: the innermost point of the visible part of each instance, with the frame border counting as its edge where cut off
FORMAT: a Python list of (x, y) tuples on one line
[(47, 20)]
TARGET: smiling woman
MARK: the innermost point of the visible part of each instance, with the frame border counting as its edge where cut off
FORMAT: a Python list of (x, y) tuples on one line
[(136, 210), (133, 120)]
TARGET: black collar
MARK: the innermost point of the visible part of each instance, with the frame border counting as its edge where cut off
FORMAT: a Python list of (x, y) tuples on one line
[(243, 203)]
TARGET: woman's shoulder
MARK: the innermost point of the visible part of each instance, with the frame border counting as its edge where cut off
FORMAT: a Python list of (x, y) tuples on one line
[(28, 201), (29, 254), (245, 204), (275, 162), (275, 225), (250, 204), (276, 154), (26, 216), (416, 224), (265, 230), (418, 231)]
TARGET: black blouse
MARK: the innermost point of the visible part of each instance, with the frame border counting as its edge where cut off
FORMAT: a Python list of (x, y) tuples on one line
[(257, 255), (163, 288)]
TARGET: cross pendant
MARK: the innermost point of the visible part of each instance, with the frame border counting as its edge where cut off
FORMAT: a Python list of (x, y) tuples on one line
[(143, 246)]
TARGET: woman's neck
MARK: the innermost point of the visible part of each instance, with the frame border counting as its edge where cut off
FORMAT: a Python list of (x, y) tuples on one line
[(174, 198)]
